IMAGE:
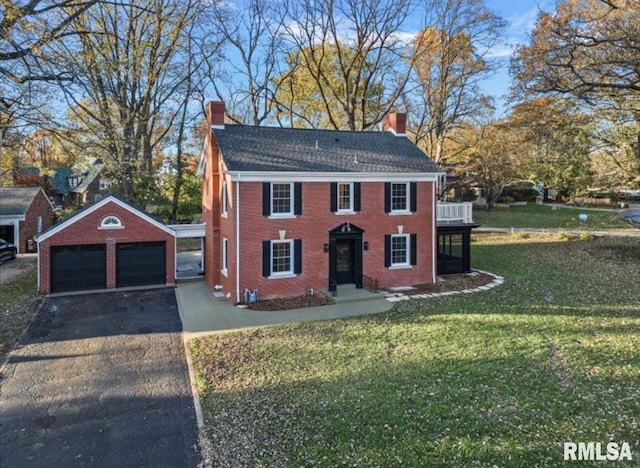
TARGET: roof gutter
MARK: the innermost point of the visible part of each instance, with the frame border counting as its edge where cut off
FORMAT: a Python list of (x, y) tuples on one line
[(305, 176)]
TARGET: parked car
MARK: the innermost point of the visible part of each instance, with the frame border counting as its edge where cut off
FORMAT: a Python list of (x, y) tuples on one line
[(7, 251)]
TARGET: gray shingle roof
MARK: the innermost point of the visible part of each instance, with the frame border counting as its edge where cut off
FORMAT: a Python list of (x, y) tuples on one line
[(16, 200), (247, 148)]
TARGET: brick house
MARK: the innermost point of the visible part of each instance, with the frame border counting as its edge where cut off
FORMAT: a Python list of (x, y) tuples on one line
[(80, 185), (109, 244), (288, 210), (25, 212)]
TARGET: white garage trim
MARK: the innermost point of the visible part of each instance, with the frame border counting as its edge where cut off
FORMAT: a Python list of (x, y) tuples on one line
[(90, 209)]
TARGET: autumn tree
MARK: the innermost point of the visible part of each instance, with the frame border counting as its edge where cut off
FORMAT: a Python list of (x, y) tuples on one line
[(554, 141), (449, 61), (589, 50), (345, 50), (129, 83), (31, 33), (300, 95), (489, 157)]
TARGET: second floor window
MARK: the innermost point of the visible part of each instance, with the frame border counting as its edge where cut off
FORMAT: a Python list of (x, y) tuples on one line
[(399, 197), (282, 199), (345, 197)]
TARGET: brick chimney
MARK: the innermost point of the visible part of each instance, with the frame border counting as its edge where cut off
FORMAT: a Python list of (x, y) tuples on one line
[(396, 123), (215, 114)]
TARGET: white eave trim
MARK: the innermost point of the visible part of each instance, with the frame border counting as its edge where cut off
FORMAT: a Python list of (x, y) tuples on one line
[(299, 176), (11, 218), (108, 199)]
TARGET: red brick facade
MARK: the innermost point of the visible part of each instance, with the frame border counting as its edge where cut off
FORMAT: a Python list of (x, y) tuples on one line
[(312, 227), (85, 228), (40, 211)]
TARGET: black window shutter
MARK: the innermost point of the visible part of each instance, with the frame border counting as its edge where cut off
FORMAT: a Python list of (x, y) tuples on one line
[(414, 249), (266, 199), (413, 194), (266, 258), (387, 197), (387, 251), (356, 196), (297, 198), (297, 256), (334, 196)]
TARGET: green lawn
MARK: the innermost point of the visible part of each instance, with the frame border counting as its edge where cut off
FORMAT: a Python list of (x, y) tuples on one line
[(547, 217), (18, 303), (499, 378)]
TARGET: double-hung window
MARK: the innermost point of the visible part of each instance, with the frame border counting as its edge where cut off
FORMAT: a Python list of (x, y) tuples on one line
[(282, 258), (400, 250), (224, 203), (400, 197), (282, 199), (345, 197), (225, 256)]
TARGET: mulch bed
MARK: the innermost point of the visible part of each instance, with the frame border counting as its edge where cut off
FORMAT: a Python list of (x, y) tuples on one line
[(296, 302), (445, 283), (455, 282)]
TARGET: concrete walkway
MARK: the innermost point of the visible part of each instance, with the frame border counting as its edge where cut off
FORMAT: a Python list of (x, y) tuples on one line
[(204, 314)]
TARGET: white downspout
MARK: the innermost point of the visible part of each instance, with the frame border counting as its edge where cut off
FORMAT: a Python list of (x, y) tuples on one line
[(238, 239), (38, 264), (434, 232)]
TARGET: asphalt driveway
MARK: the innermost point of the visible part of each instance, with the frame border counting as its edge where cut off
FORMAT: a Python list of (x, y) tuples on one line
[(100, 380)]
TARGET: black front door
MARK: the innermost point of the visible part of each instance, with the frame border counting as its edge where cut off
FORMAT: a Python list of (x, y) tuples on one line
[(345, 255), (344, 261)]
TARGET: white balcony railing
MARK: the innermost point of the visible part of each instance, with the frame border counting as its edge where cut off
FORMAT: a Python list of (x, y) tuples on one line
[(455, 212)]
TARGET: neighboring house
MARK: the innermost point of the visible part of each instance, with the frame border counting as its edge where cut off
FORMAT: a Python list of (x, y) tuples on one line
[(291, 210), (24, 213), (109, 244), (79, 185)]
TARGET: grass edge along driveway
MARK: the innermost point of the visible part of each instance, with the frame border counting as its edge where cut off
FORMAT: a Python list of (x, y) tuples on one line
[(502, 377)]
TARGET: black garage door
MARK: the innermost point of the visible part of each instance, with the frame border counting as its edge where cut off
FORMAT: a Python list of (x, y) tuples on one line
[(78, 267), (140, 263)]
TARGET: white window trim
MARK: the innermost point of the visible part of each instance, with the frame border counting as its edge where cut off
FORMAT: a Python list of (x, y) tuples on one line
[(103, 184), (291, 212), (283, 274), (349, 210), (224, 200), (407, 210), (225, 256), (407, 263)]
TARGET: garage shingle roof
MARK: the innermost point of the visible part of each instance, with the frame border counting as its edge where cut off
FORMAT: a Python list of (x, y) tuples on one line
[(248, 148), (16, 200)]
